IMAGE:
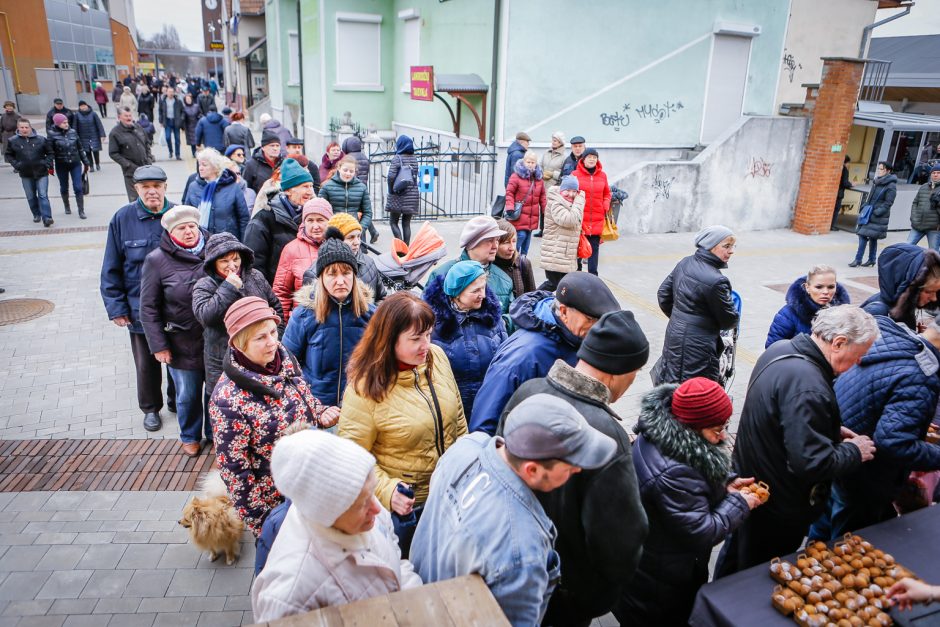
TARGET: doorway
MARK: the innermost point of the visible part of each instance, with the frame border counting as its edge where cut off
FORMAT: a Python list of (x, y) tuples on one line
[(727, 79)]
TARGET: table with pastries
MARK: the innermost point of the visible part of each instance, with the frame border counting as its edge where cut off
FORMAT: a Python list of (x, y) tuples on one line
[(744, 598)]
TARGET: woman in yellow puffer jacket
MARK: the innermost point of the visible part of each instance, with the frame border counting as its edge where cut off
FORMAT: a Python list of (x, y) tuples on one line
[(402, 405)]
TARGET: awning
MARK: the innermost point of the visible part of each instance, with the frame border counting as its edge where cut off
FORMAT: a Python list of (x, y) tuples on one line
[(460, 86), (898, 121), (257, 45), (453, 83)]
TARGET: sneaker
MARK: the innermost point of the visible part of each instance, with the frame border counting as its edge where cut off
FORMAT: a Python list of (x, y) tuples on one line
[(856, 263)]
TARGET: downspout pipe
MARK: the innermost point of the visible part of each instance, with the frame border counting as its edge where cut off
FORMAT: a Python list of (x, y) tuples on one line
[(497, 10), (300, 70), (866, 32)]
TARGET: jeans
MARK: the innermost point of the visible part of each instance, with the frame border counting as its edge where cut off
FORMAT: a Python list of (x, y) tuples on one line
[(872, 243), (194, 422), (63, 171), (524, 238), (406, 531), (172, 134), (594, 259), (37, 196), (933, 238)]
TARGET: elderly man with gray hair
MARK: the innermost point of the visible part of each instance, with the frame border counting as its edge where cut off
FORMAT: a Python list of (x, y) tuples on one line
[(791, 434)]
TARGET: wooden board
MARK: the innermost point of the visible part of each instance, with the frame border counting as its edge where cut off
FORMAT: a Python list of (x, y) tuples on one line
[(461, 602)]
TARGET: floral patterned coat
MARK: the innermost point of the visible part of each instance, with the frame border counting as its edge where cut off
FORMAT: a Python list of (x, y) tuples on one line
[(249, 412)]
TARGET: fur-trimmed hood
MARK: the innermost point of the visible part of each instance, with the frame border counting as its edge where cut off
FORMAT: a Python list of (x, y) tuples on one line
[(523, 172), (676, 441), (447, 319), (306, 296), (804, 306)]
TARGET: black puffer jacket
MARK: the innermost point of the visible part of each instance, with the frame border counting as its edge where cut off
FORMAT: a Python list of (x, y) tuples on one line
[(258, 170), (67, 147), (190, 117), (166, 303), (697, 299), (682, 479), (90, 129), (598, 514), (882, 197), (68, 113), (213, 295), (269, 231), (145, 104), (30, 156), (366, 272)]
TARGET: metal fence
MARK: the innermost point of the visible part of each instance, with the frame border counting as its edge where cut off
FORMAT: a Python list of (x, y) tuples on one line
[(463, 177), (874, 80)]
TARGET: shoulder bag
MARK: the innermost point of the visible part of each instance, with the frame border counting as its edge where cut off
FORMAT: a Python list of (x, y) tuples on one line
[(404, 179), (516, 212)]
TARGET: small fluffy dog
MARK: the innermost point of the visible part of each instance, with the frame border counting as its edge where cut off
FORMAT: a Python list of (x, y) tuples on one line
[(213, 525)]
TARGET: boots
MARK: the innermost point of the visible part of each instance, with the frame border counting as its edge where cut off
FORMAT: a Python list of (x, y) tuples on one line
[(65, 199), (80, 201)]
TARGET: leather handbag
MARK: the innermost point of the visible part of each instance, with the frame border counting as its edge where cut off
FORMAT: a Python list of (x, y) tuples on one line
[(585, 250), (610, 231), (516, 212), (86, 187)]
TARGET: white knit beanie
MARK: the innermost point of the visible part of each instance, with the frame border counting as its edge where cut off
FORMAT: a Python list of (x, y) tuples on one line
[(321, 473)]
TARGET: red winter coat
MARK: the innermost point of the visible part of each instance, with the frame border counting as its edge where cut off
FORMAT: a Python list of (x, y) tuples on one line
[(296, 258), (517, 191), (596, 197)]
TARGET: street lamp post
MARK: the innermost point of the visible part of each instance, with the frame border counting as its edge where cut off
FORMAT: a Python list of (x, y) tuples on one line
[(215, 67)]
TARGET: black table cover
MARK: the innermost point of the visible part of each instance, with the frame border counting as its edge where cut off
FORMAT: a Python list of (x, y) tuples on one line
[(744, 597)]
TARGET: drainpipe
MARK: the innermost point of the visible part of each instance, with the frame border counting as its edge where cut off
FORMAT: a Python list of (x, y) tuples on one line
[(866, 32), (300, 70), (497, 4)]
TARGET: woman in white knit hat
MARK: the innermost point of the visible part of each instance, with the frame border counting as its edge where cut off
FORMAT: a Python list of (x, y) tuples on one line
[(337, 544)]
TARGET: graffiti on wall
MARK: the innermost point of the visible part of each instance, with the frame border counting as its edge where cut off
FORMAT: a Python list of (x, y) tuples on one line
[(758, 168), (661, 187), (790, 64), (655, 112)]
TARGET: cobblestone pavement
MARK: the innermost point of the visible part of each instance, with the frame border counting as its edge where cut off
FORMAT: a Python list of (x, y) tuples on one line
[(96, 558)]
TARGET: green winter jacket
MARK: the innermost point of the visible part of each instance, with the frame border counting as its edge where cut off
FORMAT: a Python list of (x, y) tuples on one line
[(351, 197), (925, 215)]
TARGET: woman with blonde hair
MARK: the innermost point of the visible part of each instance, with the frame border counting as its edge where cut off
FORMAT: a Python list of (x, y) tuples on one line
[(218, 196), (402, 405)]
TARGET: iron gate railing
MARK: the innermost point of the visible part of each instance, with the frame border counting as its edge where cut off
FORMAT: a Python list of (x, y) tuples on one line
[(874, 79), (463, 179)]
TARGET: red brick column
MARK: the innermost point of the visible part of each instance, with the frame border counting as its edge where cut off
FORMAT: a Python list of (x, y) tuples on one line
[(830, 126)]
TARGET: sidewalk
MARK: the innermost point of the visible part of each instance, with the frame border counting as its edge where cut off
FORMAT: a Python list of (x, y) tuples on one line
[(97, 557)]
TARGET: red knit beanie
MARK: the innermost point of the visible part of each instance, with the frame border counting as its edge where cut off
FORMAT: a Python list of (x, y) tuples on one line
[(245, 312), (700, 403)]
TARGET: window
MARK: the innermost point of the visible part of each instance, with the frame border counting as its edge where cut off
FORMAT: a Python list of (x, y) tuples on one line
[(293, 59), (359, 52), (412, 44)]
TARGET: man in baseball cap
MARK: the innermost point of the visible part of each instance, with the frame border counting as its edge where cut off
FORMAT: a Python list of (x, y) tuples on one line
[(484, 485), (479, 240)]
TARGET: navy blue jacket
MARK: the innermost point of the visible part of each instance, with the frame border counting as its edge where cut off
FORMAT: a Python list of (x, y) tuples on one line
[(469, 340), (513, 154), (132, 234), (210, 131), (323, 349), (540, 339), (90, 129), (797, 315), (891, 396), (229, 210), (883, 192), (900, 276)]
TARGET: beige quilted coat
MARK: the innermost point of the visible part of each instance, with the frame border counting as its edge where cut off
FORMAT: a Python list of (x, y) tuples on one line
[(562, 231)]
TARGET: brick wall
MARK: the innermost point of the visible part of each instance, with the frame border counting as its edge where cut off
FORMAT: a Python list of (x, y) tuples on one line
[(831, 124)]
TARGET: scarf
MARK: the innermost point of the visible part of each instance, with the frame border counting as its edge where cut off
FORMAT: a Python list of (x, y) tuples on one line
[(194, 249), (271, 368), (166, 207), (205, 203)]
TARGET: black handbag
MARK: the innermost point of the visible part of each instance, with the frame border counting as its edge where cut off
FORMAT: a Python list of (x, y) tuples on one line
[(403, 179), (86, 187), (516, 212)]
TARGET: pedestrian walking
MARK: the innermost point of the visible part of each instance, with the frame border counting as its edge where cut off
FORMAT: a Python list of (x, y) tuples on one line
[(486, 486), (149, 129), (134, 231), (191, 115), (116, 94), (173, 333), (264, 160), (273, 227), (925, 212), (873, 224), (402, 405), (564, 212), (329, 321), (238, 133), (70, 161), (525, 196), (274, 126), (352, 147), (592, 180), (295, 151), (101, 99), (845, 184), (8, 123), (301, 253), (516, 266), (31, 157), (366, 272), (691, 497), (128, 101), (696, 297), (548, 327), (805, 297), (145, 102), (329, 162), (791, 392), (215, 191), (129, 148), (58, 106), (514, 153), (309, 566), (210, 130), (479, 241), (571, 161), (468, 324), (91, 132), (597, 513), (262, 393), (170, 110), (347, 194), (403, 198), (908, 280), (205, 100)]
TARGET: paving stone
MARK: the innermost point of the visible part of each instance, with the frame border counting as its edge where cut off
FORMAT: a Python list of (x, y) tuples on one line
[(22, 558), (72, 606), (183, 619), (65, 584), (132, 620), (55, 538), (61, 557), (70, 515), (157, 525), (117, 606), (106, 584), (118, 525), (220, 619), (143, 514), (179, 556), (89, 620), (37, 607), (231, 582), (17, 539), (32, 516), (203, 604), (133, 537), (96, 537), (42, 621), (190, 583), (149, 583), (177, 536), (106, 514), (27, 502), (163, 604), (22, 586), (242, 602), (102, 556), (142, 556), (82, 526)]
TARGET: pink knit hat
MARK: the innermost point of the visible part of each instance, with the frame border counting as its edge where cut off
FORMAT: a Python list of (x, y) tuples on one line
[(59, 118), (244, 312), (319, 206)]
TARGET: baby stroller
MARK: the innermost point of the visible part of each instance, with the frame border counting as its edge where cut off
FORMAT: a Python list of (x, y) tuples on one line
[(405, 266), (729, 340)]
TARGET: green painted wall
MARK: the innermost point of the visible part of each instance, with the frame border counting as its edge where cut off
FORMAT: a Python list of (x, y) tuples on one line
[(280, 18), (311, 50)]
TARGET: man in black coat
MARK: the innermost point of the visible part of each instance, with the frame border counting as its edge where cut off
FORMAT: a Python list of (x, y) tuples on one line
[(129, 148), (205, 100), (599, 516), (791, 434), (260, 166), (59, 107), (31, 157)]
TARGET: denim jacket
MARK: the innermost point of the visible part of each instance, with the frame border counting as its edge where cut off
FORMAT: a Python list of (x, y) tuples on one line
[(481, 518)]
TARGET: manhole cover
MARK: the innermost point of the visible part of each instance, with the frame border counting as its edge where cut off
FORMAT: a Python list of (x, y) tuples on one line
[(16, 310)]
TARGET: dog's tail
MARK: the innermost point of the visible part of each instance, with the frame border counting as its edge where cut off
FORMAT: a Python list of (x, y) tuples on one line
[(211, 484)]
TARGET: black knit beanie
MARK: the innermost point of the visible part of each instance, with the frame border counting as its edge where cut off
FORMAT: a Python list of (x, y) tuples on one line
[(615, 344), (334, 250)]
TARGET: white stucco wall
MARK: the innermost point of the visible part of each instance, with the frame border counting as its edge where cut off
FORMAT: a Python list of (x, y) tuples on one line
[(819, 29)]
